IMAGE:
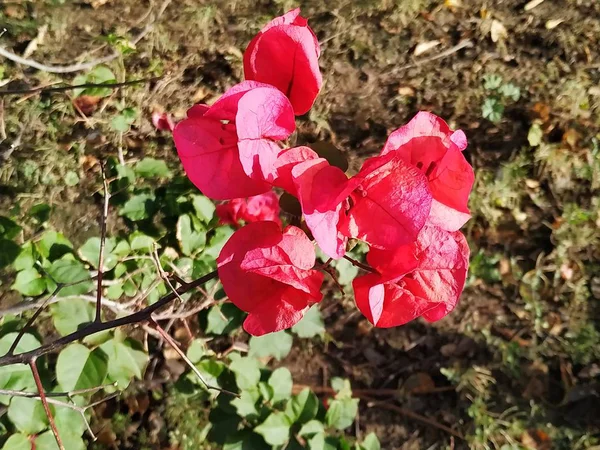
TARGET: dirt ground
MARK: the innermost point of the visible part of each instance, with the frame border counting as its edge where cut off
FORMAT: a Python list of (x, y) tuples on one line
[(518, 362)]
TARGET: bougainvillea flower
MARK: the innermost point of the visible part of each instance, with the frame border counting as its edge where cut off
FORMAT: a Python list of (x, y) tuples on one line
[(269, 274), (286, 161), (423, 279), (163, 121), (428, 143), (253, 209), (285, 54), (228, 149), (386, 204)]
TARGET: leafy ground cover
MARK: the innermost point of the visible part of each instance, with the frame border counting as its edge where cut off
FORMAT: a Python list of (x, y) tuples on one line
[(515, 366)]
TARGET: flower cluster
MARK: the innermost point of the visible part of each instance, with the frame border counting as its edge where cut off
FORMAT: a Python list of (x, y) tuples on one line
[(407, 203)]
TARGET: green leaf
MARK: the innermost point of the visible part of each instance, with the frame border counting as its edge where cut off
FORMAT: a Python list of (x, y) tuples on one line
[(46, 441), (68, 270), (28, 415), (196, 350), (245, 404), (275, 429), (126, 173), (114, 291), (210, 369), (346, 271), (190, 240), (40, 212), (8, 252), (224, 425), (510, 91), (303, 407), (492, 110), (341, 413), (29, 283), (17, 377), (71, 178), (138, 207), (8, 228), (26, 258), (126, 360), (321, 442), (98, 75), (246, 370), (68, 420), (204, 207), (311, 324), (216, 243), (266, 391), (150, 167), (277, 345), (342, 387), (78, 367), (17, 441), (53, 245), (90, 252), (122, 122), (492, 82), (311, 428), (141, 241), (223, 319), (371, 442), (281, 382), (535, 135), (246, 440), (68, 315)]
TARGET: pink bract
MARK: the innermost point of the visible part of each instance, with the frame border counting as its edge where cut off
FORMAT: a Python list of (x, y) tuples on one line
[(228, 150), (269, 274), (285, 54), (163, 121), (424, 279), (386, 204), (254, 209), (427, 143)]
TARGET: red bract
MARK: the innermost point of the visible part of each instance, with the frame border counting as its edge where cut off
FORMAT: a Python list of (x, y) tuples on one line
[(269, 274), (253, 209), (285, 54), (228, 150), (386, 204), (424, 279), (428, 143)]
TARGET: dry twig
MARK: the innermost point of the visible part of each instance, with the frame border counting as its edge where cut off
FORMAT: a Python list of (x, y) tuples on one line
[(40, 388)]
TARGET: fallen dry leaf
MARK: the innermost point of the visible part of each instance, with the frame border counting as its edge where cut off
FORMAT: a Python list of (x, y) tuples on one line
[(452, 4), (424, 47), (87, 104), (542, 111), (88, 162), (418, 383), (406, 91), (498, 31), (551, 24), (33, 45), (532, 4)]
